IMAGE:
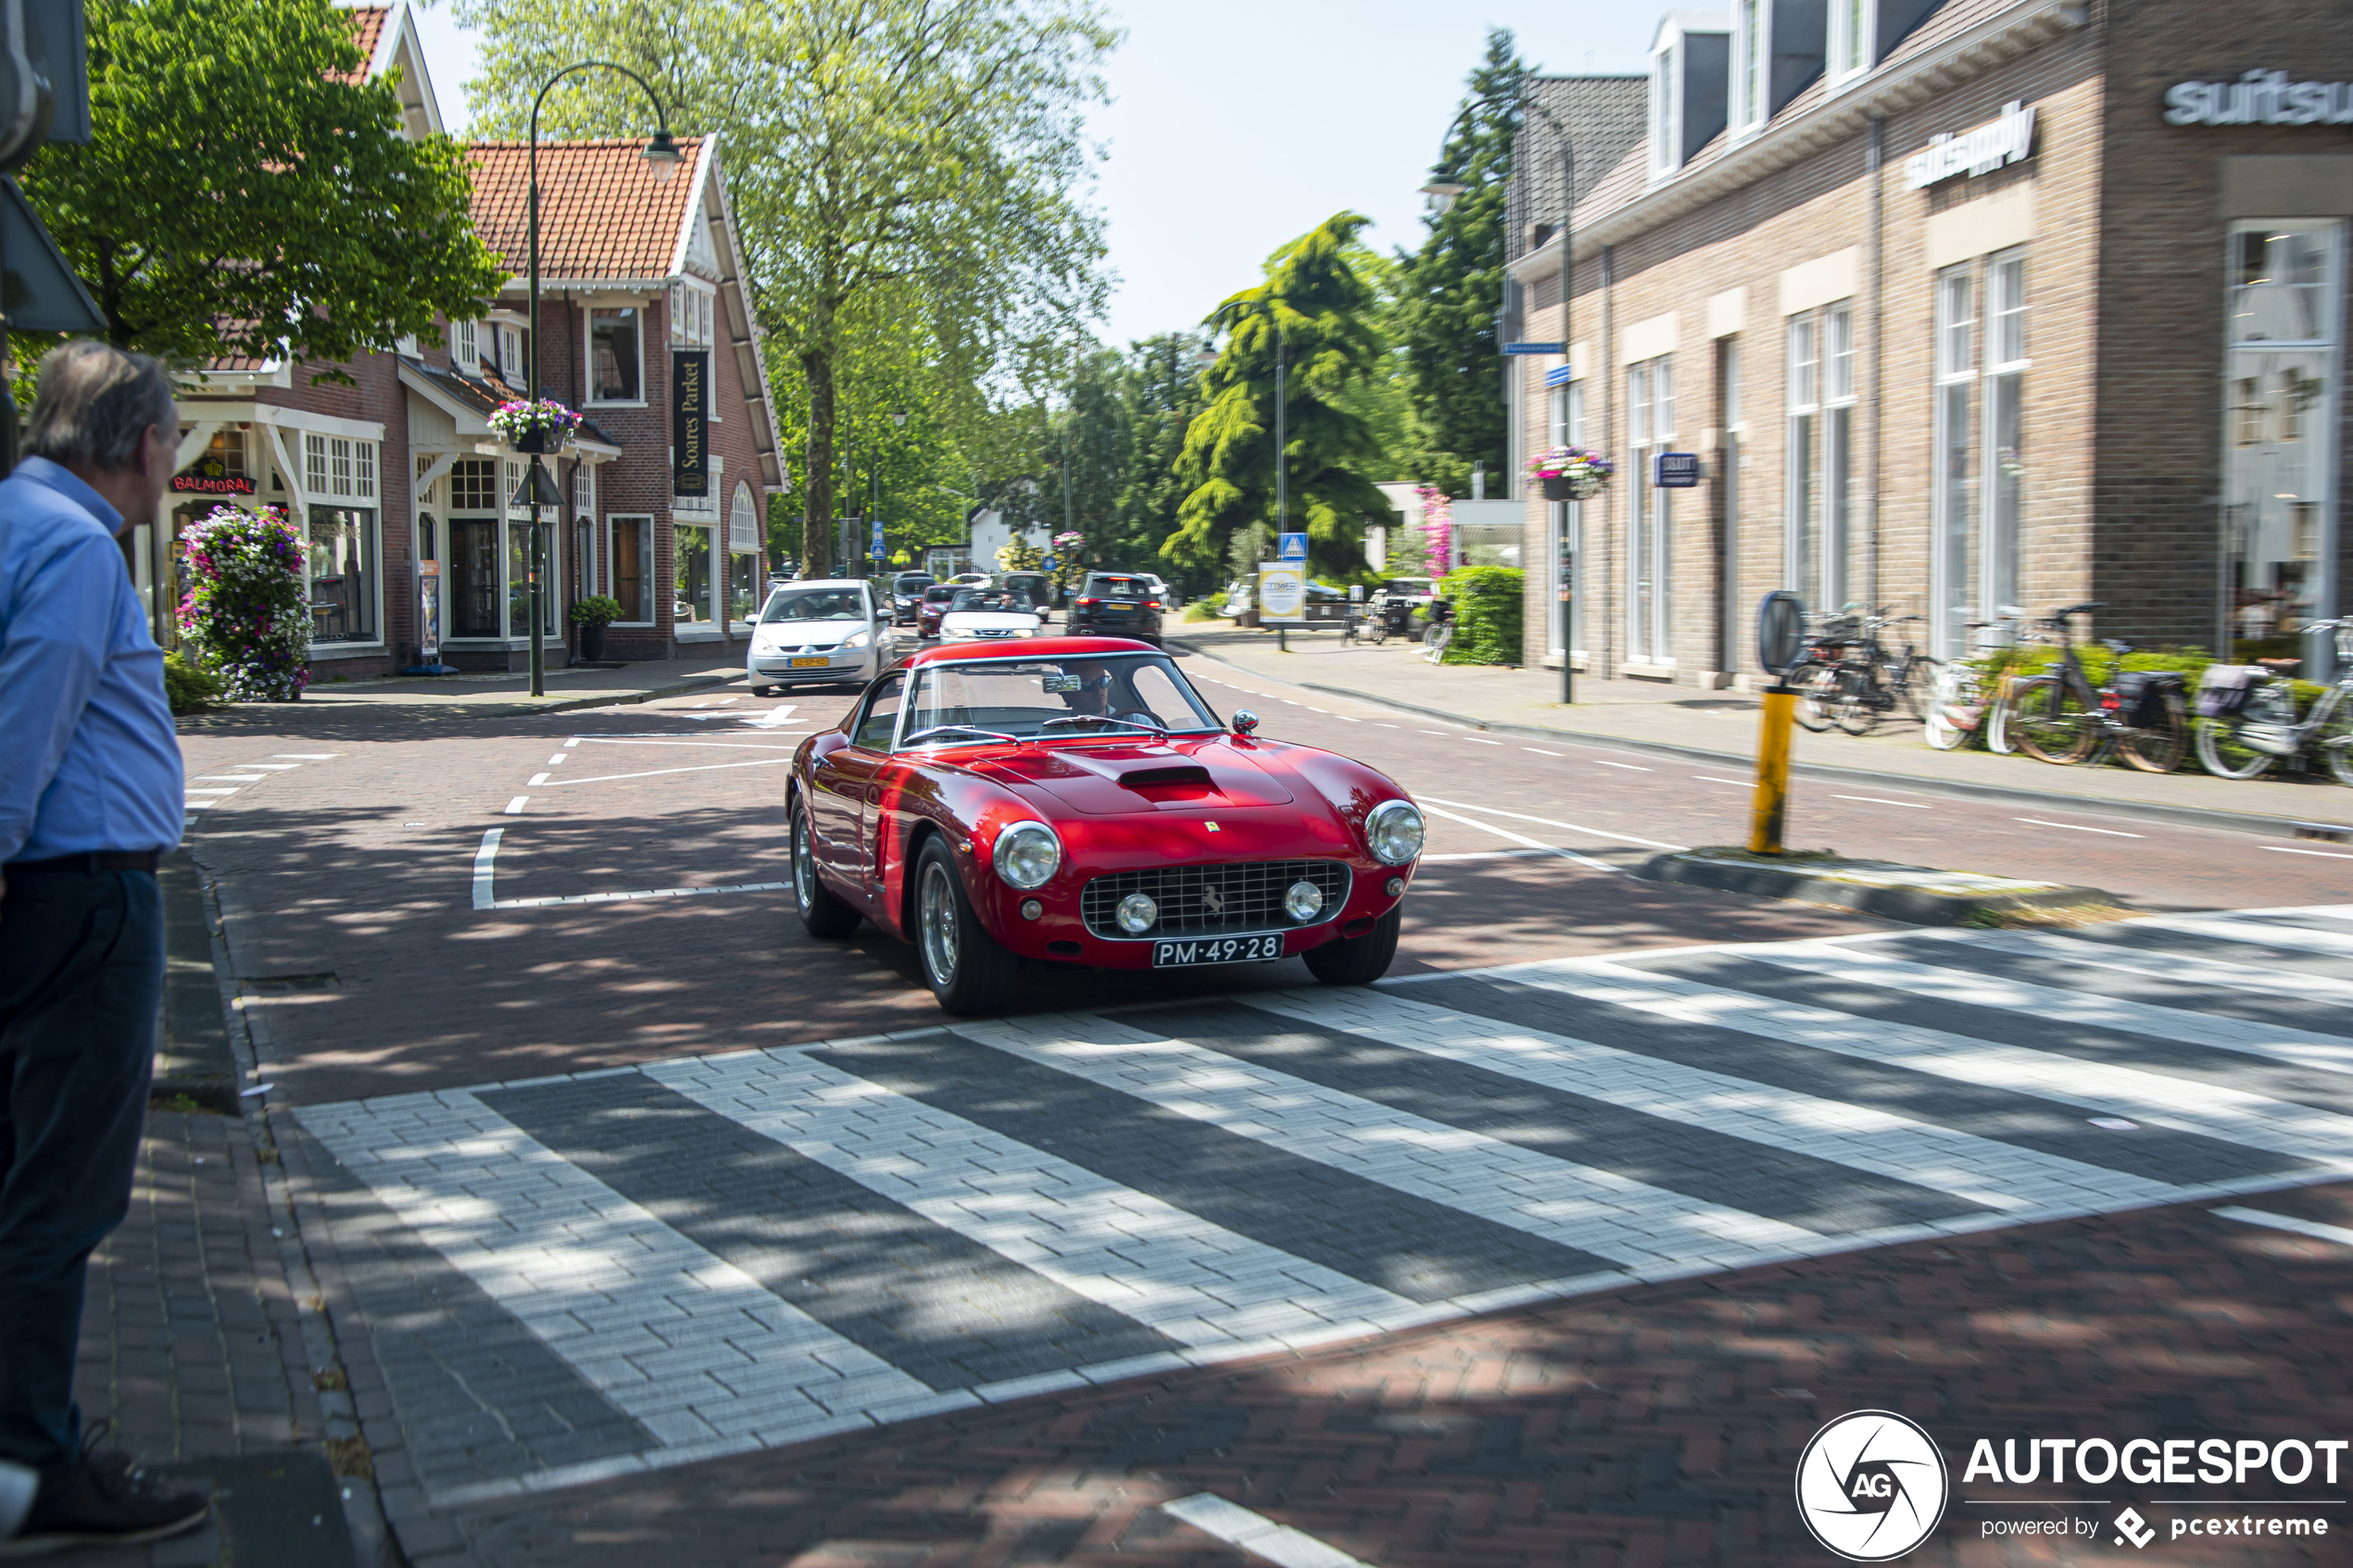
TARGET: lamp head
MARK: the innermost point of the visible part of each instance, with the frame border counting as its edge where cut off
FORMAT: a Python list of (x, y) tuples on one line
[(899, 419), (662, 152), (1442, 194)]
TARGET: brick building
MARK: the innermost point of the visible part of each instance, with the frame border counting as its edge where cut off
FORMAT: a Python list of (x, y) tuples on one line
[(1961, 303), (639, 278)]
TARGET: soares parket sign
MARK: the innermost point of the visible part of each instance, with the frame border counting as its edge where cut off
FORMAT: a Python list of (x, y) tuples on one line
[(2260, 97)]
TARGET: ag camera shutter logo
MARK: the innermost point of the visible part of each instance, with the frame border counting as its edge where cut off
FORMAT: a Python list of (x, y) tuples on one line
[(1872, 1486)]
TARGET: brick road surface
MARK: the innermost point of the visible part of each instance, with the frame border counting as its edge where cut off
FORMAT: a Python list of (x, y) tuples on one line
[(1652, 1426)]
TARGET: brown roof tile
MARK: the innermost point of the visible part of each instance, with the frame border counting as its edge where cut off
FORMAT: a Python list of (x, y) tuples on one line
[(601, 213), (368, 27)]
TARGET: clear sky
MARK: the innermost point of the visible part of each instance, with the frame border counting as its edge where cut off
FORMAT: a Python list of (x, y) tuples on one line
[(1235, 125)]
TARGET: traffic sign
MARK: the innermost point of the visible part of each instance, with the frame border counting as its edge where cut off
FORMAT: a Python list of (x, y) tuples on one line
[(1294, 549), (1535, 348), (1675, 471), (1780, 631), (1282, 594), (41, 292), (1048, 564)]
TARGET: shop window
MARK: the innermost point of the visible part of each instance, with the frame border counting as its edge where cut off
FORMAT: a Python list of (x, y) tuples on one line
[(615, 368), (694, 584), (741, 586), (518, 577), (1650, 427), (473, 577), (632, 565), (342, 566), (2279, 518), (1977, 501), (1821, 454), (314, 463)]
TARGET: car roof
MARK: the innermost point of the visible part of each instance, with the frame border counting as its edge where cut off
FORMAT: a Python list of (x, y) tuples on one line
[(826, 583), (1033, 647)]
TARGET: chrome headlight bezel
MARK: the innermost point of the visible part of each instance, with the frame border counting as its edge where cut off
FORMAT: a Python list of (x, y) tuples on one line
[(1394, 832), (1020, 852), (1304, 902), (1137, 903)]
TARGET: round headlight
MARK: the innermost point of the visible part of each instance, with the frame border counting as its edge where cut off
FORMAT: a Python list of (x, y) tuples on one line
[(1027, 853), (1136, 912), (1393, 832), (1303, 901)]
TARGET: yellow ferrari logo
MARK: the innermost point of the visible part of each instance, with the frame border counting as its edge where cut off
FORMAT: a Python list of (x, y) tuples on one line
[(1211, 826)]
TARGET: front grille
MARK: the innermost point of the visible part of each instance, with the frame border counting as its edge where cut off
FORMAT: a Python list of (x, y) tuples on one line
[(1213, 900)]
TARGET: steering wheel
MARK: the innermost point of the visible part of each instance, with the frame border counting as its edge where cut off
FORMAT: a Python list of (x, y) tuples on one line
[(1141, 716)]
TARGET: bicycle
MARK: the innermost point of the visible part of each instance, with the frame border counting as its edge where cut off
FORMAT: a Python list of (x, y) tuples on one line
[(2243, 728), (1815, 675), (1441, 634), (1856, 678), (1958, 704), (2062, 718)]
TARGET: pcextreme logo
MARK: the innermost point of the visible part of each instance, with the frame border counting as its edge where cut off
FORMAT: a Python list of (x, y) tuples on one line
[(1872, 1486)]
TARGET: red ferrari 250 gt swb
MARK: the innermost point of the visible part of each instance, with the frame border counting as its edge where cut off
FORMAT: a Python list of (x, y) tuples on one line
[(1077, 802)]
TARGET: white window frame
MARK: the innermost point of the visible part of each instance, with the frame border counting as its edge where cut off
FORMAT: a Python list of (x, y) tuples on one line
[(1564, 526), (1665, 108), (694, 314), (511, 366), (744, 507), (465, 347), (1650, 429), (1977, 529), (715, 605), (1821, 396), (1850, 47), (1750, 86), (588, 349)]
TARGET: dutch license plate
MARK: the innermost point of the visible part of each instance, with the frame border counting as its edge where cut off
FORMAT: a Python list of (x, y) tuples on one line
[(811, 663), (1217, 949)]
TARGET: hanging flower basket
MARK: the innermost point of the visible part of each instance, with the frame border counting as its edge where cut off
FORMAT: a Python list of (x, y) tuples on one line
[(247, 617), (1570, 473), (543, 427)]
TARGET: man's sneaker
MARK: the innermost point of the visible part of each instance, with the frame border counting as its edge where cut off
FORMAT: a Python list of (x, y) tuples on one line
[(96, 1500)]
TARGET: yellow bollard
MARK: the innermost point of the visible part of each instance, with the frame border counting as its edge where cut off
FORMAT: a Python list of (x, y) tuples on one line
[(1771, 807)]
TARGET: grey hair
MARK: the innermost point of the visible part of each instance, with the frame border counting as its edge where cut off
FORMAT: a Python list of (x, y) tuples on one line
[(95, 404)]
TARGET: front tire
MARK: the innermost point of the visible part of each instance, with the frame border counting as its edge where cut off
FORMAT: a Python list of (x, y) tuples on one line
[(1358, 961), (969, 971), (2160, 750), (2049, 722), (822, 915), (2219, 753)]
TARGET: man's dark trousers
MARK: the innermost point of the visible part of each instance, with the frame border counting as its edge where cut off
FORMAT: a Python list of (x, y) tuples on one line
[(81, 988)]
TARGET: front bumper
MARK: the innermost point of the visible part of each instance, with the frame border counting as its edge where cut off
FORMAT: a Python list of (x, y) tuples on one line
[(778, 670), (1060, 934)]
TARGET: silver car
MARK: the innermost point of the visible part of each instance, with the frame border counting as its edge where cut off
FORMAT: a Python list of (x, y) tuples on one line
[(820, 633)]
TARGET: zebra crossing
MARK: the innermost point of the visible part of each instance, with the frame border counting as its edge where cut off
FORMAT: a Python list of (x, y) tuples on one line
[(582, 1275)]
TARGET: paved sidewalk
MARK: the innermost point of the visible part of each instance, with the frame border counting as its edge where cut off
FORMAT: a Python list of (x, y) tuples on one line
[(481, 696), (1722, 726)]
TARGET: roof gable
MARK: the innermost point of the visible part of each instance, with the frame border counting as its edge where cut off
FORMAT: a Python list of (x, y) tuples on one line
[(603, 217)]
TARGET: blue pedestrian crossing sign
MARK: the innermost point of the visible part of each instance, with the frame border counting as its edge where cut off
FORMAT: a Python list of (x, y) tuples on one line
[(1295, 547)]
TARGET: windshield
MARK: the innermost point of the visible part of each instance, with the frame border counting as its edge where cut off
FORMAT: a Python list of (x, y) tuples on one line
[(976, 598), (815, 604), (1124, 695), (1119, 587), (939, 596)]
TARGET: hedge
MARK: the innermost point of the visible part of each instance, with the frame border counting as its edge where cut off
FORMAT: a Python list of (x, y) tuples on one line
[(1489, 609)]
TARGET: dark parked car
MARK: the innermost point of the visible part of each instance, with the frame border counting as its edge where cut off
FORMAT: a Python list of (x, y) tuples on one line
[(933, 605), (1036, 584), (1114, 604), (906, 593)]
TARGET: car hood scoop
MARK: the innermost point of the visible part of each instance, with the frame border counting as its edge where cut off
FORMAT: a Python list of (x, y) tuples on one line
[(1150, 776)]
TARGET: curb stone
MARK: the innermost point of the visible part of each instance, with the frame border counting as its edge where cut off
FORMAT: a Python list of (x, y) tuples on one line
[(2280, 826), (1813, 882)]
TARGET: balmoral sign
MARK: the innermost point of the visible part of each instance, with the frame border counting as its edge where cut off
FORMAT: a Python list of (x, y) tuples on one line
[(2260, 97), (1979, 150)]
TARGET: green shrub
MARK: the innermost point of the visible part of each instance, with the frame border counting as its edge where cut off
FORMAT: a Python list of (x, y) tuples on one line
[(596, 610), (189, 688), (1208, 607), (1489, 609)]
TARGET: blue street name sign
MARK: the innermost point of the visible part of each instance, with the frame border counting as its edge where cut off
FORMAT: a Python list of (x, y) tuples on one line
[(1535, 348), (1295, 547), (1560, 375), (1675, 471)]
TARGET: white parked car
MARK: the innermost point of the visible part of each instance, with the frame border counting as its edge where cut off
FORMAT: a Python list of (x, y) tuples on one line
[(980, 615), (811, 632), (1166, 596)]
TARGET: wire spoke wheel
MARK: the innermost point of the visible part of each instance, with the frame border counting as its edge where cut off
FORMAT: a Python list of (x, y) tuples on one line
[(2050, 722), (1855, 707), (1914, 684), (1816, 684), (2159, 749), (2222, 753), (2337, 742), (1952, 696), (936, 920)]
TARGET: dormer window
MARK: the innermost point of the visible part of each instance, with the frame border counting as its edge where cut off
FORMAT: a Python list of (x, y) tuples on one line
[(1690, 58), (1850, 40), (1777, 53), (465, 346)]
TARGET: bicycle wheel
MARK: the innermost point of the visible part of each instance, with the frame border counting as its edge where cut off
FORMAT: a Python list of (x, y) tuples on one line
[(1857, 707), (2049, 722), (1814, 684), (1435, 643), (2160, 750), (2222, 753), (1914, 684), (1954, 691), (2337, 742)]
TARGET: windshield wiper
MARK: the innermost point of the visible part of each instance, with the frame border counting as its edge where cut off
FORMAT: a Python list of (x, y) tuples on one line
[(962, 729), (1104, 719)]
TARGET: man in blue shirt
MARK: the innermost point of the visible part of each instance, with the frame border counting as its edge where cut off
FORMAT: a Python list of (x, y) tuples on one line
[(90, 797)]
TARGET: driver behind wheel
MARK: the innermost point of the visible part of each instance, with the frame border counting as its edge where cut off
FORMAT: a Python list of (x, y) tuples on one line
[(1093, 696)]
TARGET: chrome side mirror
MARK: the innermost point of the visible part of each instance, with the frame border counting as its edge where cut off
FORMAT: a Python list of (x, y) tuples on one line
[(1244, 721)]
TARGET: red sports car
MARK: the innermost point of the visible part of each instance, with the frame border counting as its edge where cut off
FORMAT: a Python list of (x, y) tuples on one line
[(1077, 802), (933, 606)]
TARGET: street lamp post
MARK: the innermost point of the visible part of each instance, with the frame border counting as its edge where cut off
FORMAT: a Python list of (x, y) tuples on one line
[(1442, 196), (662, 152)]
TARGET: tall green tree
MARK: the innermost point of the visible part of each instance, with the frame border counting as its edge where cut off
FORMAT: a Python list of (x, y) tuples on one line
[(1454, 285), (1163, 395), (243, 192), (1324, 310), (903, 170)]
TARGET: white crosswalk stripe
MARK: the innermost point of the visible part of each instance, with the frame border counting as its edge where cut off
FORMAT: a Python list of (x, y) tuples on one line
[(1578, 1206), (705, 1359)]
